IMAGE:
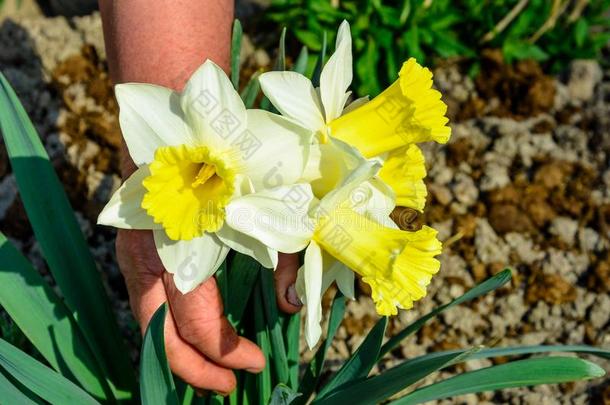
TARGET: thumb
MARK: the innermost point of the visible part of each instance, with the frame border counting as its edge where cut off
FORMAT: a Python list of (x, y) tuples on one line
[(285, 277)]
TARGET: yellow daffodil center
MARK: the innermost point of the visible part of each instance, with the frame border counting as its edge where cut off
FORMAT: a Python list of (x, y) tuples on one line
[(187, 191), (408, 111), (404, 170), (398, 265)]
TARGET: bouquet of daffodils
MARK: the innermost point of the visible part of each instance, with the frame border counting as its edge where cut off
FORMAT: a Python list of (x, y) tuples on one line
[(322, 177), (224, 189)]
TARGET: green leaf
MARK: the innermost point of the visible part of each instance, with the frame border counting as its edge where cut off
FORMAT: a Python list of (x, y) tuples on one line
[(523, 373), (485, 353), (263, 379), (497, 281), (40, 379), (46, 322), (280, 65), (377, 388), (278, 348), (362, 361), (314, 369), (283, 395), (61, 240), (11, 394), (250, 92), (242, 277), (235, 53), (300, 65), (156, 381), (581, 29), (293, 335), (317, 71)]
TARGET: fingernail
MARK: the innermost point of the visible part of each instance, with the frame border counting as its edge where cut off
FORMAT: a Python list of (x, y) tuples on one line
[(199, 393), (292, 296), (253, 370), (222, 394)]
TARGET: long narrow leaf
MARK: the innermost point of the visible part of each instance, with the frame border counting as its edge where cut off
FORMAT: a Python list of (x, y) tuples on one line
[(314, 369), (362, 361), (10, 394), (317, 71), (280, 65), (278, 348), (46, 322), (263, 379), (546, 370), (40, 379), (293, 335), (375, 389), (250, 92), (61, 240), (243, 274), (156, 381), (300, 65), (235, 53), (492, 283)]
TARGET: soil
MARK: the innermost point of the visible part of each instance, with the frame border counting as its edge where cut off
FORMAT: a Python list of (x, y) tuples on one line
[(524, 182)]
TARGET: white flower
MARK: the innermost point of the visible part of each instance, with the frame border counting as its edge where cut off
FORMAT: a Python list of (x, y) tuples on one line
[(200, 154)]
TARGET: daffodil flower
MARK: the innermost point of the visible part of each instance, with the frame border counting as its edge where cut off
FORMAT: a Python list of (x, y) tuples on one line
[(199, 153), (339, 233), (387, 127)]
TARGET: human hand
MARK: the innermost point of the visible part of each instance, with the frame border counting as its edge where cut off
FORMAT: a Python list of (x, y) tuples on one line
[(202, 347)]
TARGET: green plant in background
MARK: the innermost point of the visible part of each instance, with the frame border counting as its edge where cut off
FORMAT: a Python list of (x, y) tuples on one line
[(79, 356), (386, 33)]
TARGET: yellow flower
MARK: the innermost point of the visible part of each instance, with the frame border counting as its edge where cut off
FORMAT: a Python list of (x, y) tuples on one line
[(344, 234), (407, 112)]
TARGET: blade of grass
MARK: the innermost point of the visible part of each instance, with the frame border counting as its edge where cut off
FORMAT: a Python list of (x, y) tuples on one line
[(156, 381), (278, 348), (46, 322), (61, 240), (492, 283), (235, 53), (313, 372), (522, 373), (361, 362), (40, 379)]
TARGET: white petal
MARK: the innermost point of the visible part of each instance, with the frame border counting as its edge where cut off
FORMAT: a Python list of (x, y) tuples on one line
[(190, 261), (213, 108), (349, 187), (150, 117), (294, 96), (277, 217), (124, 210), (335, 271), (309, 288), (337, 75), (359, 102), (249, 246), (373, 198), (277, 151)]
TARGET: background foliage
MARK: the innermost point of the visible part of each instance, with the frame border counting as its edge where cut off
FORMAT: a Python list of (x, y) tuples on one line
[(388, 32)]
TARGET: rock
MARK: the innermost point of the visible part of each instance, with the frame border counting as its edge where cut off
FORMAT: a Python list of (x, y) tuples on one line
[(584, 76), (550, 288), (523, 247), (509, 218), (490, 248), (465, 190), (442, 194), (565, 229)]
